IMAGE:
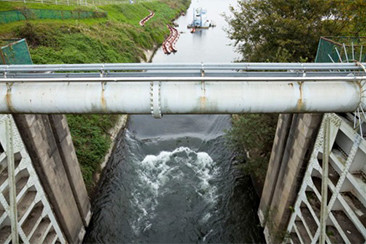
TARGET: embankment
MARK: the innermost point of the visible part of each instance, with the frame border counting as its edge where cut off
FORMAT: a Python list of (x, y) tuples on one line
[(116, 38)]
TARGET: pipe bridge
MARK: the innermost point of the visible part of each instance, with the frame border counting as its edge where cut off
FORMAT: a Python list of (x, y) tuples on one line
[(183, 88)]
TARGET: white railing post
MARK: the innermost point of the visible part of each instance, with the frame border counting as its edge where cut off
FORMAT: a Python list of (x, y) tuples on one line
[(11, 181), (324, 189)]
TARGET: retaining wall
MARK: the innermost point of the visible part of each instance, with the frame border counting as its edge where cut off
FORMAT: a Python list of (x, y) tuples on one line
[(49, 144), (292, 147)]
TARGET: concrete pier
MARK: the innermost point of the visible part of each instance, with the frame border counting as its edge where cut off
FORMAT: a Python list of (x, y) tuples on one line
[(48, 142), (293, 143)]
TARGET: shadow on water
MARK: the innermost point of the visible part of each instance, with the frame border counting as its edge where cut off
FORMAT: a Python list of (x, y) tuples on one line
[(172, 181)]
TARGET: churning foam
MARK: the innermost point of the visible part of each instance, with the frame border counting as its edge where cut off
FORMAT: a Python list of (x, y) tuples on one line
[(159, 176)]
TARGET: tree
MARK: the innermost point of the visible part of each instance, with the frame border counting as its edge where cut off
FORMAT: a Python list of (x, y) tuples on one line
[(354, 11), (251, 136), (278, 30)]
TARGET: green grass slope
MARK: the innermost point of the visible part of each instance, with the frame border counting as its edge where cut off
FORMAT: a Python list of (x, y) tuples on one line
[(118, 38)]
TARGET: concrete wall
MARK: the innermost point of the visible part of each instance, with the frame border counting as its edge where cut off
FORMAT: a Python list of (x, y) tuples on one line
[(32, 220), (48, 142), (293, 143)]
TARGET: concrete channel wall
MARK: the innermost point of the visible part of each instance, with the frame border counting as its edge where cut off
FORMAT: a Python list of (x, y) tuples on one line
[(32, 219), (293, 143), (49, 144)]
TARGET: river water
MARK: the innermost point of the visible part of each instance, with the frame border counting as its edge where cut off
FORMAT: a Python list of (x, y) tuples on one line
[(174, 180)]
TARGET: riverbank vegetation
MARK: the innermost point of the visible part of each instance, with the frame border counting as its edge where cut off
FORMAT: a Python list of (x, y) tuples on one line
[(252, 136), (115, 38), (282, 31)]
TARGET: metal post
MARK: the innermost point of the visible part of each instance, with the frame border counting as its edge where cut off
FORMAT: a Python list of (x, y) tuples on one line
[(324, 193), (11, 181)]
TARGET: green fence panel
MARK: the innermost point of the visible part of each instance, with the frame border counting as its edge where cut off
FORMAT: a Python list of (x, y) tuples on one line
[(10, 16), (67, 15), (85, 15), (16, 53), (341, 49), (27, 14)]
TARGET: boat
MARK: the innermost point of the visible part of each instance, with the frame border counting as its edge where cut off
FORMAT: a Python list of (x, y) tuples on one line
[(200, 19)]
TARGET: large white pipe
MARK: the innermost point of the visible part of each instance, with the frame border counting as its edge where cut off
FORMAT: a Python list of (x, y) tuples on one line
[(180, 97)]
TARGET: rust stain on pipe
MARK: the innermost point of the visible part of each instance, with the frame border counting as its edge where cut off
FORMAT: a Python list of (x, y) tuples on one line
[(203, 101), (203, 98), (300, 103), (8, 98), (102, 99)]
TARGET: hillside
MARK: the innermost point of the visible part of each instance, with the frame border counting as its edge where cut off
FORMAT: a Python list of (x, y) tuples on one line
[(114, 38)]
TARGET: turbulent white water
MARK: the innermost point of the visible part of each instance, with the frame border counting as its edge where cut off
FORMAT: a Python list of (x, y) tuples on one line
[(184, 189), (159, 176)]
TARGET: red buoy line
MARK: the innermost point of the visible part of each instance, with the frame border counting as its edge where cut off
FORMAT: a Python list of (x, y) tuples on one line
[(169, 43), (144, 20)]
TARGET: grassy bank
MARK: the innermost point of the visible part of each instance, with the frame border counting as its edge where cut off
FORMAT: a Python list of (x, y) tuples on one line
[(115, 38)]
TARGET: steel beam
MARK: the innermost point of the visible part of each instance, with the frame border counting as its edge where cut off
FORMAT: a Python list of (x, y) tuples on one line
[(324, 188), (13, 214)]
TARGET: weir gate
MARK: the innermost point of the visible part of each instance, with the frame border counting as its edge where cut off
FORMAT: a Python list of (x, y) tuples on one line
[(37, 166)]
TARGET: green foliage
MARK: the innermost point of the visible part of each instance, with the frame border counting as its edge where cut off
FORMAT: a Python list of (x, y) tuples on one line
[(118, 39), (268, 29), (91, 140), (353, 13), (253, 134)]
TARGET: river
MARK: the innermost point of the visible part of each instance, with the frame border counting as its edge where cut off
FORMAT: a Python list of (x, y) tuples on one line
[(174, 180)]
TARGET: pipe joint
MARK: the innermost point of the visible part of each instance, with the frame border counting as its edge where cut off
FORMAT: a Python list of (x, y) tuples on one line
[(155, 99)]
